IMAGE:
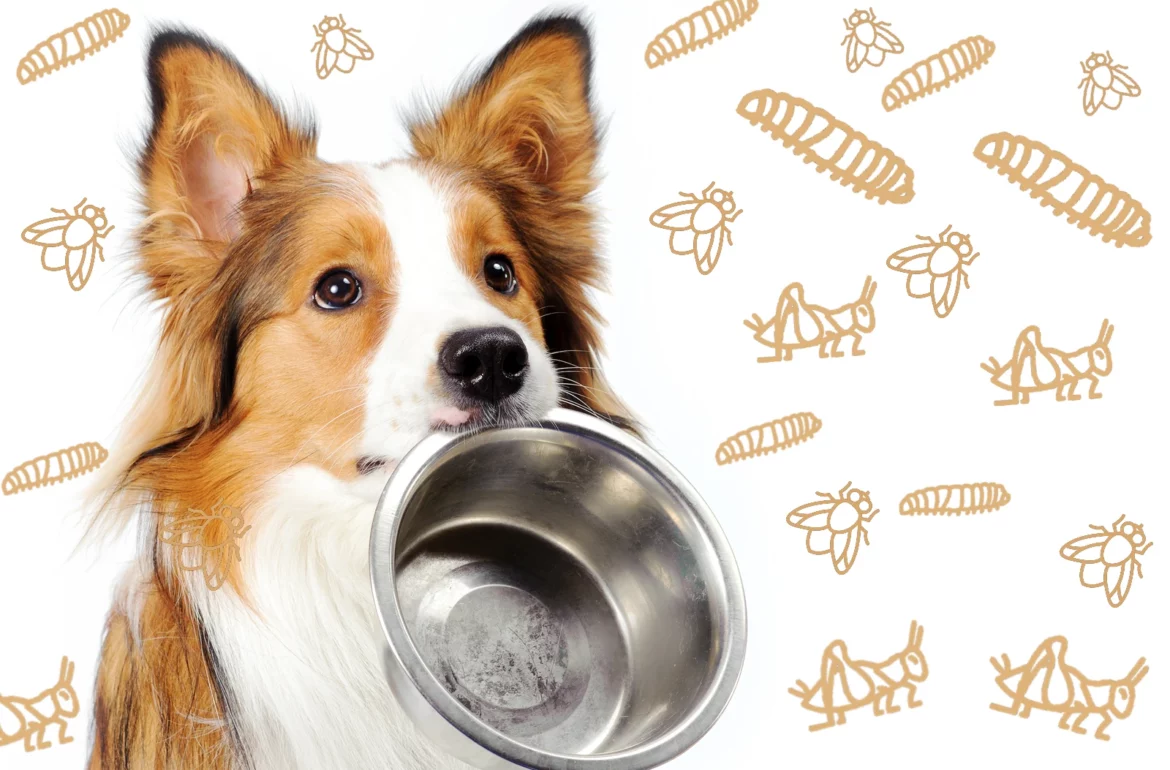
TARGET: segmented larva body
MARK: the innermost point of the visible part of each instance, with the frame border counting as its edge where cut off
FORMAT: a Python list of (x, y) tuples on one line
[(54, 467), (847, 154), (955, 499), (73, 44), (938, 71), (770, 437), (1068, 188), (698, 29)]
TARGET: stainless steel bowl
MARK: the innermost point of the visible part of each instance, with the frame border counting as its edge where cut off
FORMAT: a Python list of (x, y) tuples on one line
[(555, 596)]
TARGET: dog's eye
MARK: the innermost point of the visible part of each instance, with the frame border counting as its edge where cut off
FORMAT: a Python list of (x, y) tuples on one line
[(499, 275), (336, 290)]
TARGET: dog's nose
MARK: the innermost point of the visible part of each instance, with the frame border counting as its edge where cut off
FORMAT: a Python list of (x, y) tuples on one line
[(487, 364)]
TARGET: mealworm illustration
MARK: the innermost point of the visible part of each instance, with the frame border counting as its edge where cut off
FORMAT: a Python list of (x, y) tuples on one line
[(849, 155), (770, 437), (54, 467), (72, 44), (1067, 188), (955, 499), (938, 71), (693, 32)]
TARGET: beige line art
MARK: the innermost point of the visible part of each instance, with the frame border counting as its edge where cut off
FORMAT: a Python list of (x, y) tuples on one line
[(813, 134), (760, 440), (72, 44), (69, 242), (938, 71), (1109, 557), (1105, 85), (338, 47), (846, 684), (935, 269), (1047, 683), (836, 525), (1069, 189), (955, 499), (697, 30), (800, 324), (1035, 367), (698, 225), (27, 719), (56, 466), (206, 542), (868, 40)]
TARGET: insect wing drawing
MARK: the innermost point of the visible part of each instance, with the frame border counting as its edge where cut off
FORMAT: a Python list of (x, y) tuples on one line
[(1105, 83), (1109, 557), (27, 719), (868, 40), (836, 525), (935, 269), (338, 47), (206, 542), (698, 225), (70, 242)]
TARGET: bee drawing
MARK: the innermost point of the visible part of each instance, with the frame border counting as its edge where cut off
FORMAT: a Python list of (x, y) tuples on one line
[(935, 269), (1105, 84), (1035, 367), (338, 47), (206, 542), (26, 719), (698, 224), (836, 525), (868, 40), (69, 242), (800, 324), (1108, 557)]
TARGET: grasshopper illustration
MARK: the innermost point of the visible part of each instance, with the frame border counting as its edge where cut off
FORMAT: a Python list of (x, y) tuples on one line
[(800, 324), (848, 684), (1034, 367), (28, 718)]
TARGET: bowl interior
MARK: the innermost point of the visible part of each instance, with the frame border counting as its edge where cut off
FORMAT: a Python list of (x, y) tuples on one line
[(563, 593)]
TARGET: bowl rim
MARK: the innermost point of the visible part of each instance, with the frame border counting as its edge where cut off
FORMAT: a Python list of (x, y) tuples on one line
[(384, 532)]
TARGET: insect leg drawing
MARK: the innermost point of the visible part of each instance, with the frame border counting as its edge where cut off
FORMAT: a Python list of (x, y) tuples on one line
[(1108, 558), (800, 324), (698, 225), (27, 719), (935, 269), (1035, 367), (69, 242)]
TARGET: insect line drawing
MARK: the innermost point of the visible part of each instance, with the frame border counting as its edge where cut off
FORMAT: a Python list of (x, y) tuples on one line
[(28, 718), (1109, 557), (1034, 367), (836, 525), (955, 499), (760, 440), (704, 26), (935, 269), (1047, 683), (338, 47), (206, 542), (868, 40), (800, 324), (61, 465), (69, 242), (698, 224), (1105, 84), (937, 71), (72, 44), (846, 684)]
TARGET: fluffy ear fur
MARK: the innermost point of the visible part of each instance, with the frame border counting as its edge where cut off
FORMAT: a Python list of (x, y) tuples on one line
[(525, 130)]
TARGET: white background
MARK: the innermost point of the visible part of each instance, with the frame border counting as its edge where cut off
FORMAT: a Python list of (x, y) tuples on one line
[(916, 411)]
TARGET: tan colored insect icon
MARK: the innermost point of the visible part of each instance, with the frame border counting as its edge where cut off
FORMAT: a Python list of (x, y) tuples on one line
[(800, 324), (1047, 683), (698, 225), (206, 542), (1035, 367), (338, 47), (955, 499), (72, 45), (1105, 84), (938, 71), (868, 40), (770, 437), (27, 719), (54, 467), (836, 525), (697, 30), (935, 269), (846, 684), (1109, 557), (70, 242)]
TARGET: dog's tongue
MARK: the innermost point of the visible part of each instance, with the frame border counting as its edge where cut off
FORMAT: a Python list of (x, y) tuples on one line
[(450, 415)]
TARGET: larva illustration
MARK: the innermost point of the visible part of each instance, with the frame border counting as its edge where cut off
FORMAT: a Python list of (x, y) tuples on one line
[(818, 137), (770, 437), (1068, 188), (72, 44), (955, 499), (54, 467), (938, 71), (695, 31)]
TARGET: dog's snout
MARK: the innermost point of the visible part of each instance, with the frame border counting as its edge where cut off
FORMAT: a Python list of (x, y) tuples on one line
[(487, 364)]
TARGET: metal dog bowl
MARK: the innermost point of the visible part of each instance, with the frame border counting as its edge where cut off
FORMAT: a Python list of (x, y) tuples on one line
[(555, 596)]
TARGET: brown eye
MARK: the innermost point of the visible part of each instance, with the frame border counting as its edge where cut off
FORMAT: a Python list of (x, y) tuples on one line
[(336, 290), (499, 274)]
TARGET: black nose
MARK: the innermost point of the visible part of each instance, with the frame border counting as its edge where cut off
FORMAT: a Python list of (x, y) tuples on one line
[(487, 364)]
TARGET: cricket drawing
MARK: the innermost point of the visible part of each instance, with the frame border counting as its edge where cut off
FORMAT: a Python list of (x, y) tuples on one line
[(1035, 367), (800, 324), (27, 719)]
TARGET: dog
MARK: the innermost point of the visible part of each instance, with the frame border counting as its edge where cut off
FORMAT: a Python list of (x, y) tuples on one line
[(319, 320)]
